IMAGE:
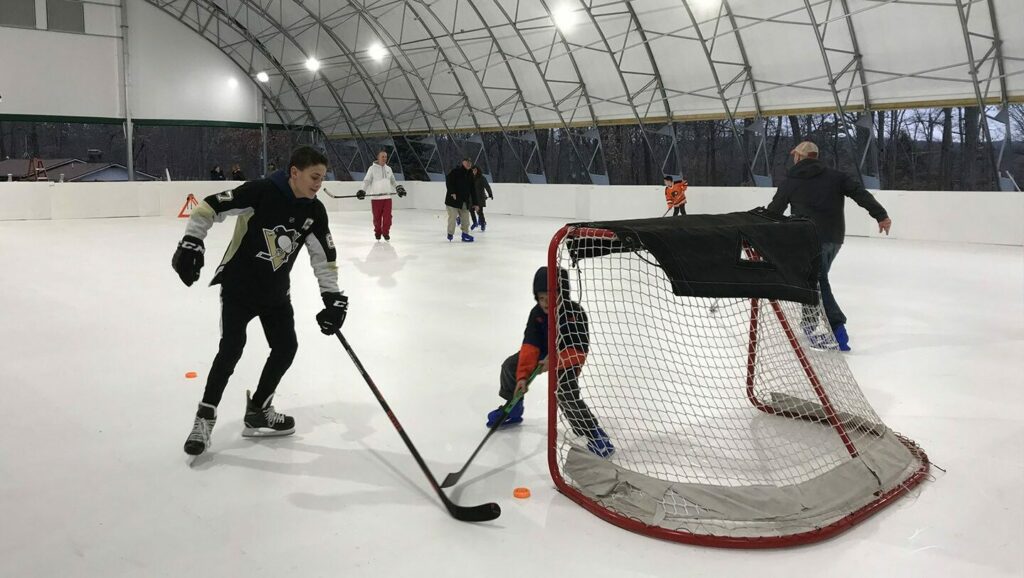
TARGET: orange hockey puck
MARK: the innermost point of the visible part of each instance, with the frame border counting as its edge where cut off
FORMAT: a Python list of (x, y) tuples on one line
[(521, 493), (191, 375)]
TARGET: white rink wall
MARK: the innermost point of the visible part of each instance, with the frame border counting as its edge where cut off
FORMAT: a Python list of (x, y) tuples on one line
[(988, 217)]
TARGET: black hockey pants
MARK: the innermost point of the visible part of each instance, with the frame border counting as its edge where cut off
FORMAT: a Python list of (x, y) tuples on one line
[(278, 322)]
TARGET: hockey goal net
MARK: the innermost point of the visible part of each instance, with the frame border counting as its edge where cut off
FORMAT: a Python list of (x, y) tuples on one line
[(735, 420)]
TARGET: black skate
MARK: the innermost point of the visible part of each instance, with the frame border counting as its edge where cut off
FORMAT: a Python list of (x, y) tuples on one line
[(199, 440), (264, 421)]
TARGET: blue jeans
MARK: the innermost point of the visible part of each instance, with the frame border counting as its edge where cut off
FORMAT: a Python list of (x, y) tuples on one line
[(832, 311), (828, 300)]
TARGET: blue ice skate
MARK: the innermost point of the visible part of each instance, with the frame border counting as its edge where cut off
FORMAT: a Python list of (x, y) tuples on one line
[(515, 415), (599, 443)]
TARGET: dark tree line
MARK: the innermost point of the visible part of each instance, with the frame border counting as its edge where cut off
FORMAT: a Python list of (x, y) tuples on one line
[(916, 149)]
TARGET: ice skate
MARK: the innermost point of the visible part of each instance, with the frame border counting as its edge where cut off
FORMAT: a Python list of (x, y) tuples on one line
[(264, 421), (599, 443), (202, 428), (515, 415)]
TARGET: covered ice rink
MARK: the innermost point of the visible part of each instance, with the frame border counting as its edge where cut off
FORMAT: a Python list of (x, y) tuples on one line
[(99, 332), (574, 110)]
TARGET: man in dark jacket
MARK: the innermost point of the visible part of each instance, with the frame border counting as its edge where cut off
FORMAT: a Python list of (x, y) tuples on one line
[(818, 192), (459, 198)]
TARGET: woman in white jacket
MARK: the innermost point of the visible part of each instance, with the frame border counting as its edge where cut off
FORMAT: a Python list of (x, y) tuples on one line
[(380, 183)]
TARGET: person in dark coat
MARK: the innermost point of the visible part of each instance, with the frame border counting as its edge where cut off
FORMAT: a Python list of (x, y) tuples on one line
[(459, 199), (217, 174), (481, 192), (817, 192), (236, 173)]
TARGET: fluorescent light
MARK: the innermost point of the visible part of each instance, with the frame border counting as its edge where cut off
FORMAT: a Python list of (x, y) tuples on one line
[(706, 8), (313, 64), (564, 17), (262, 76), (377, 52)]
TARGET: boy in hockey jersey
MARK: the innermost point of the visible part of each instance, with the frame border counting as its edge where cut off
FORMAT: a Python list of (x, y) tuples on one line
[(275, 217), (573, 343), (675, 195)]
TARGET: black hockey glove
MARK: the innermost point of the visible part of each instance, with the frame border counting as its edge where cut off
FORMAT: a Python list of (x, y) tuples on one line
[(361, 194), (188, 259), (333, 316), (401, 191)]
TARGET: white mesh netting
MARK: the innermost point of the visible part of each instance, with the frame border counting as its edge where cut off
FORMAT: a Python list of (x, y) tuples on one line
[(735, 421)]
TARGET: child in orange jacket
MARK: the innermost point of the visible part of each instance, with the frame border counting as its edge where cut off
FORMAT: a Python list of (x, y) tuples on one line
[(675, 195)]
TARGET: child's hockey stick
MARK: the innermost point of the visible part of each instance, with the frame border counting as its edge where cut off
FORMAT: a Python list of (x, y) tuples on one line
[(453, 478)]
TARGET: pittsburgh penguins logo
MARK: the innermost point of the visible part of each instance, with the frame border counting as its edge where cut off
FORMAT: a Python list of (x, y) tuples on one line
[(281, 243)]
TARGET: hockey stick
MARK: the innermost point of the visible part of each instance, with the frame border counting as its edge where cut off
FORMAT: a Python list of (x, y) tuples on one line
[(453, 478), (481, 513), (333, 196), (667, 211)]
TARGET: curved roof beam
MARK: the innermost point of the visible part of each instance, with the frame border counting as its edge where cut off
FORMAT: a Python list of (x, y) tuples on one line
[(520, 97), (858, 79), (857, 56), (974, 65), (254, 6), (865, 96), (833, 79), (365, 79), (1004, 96), (618, 70), (707, 48), (650, 56), (997, 43), (743, 55), (476, 76), (382, 32), (532, 60), (753, 93), (660, 85), (575, 66)]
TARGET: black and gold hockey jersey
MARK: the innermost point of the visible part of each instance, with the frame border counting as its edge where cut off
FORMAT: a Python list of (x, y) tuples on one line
[(272, 226)]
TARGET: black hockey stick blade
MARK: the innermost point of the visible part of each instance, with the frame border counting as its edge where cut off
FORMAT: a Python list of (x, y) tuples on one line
[(453, 478), (482, 513), (333, 196)]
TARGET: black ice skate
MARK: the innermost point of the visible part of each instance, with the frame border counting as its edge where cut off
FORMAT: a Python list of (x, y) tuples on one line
[(264, 421), (199, 440)]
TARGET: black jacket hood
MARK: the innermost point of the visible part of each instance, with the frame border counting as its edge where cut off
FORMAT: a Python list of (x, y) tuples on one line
[(806, 169)]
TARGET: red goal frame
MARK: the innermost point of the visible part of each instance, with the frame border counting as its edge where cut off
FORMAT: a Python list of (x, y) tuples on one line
[(633, 525)]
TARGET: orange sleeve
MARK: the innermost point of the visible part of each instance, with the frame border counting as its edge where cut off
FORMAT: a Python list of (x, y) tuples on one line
[(571, 357), (529, 358)]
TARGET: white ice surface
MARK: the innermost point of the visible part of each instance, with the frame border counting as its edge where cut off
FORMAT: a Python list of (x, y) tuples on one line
[(97, 332)]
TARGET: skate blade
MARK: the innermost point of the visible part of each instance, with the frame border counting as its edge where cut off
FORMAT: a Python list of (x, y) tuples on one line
[(265, 432), (199, 460), (822, 346)]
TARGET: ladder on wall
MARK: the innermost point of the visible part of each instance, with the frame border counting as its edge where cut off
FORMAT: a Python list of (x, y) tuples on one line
[(36, 170)]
